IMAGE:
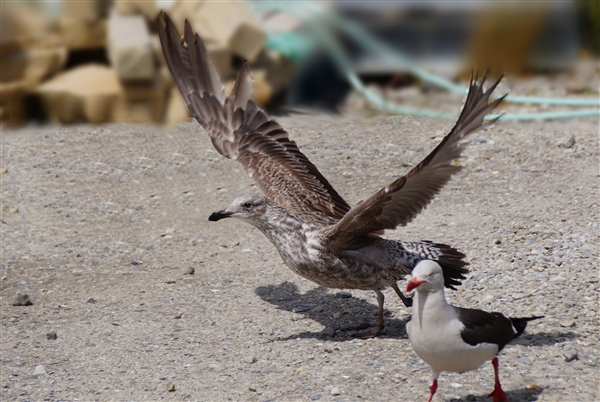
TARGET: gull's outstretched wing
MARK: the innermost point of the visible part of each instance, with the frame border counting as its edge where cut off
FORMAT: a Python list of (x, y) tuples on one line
[(241, 130), (401, 201)]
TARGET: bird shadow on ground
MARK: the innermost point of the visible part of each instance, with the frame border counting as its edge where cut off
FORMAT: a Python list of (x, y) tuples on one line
[(544, 338), (343, 317), (517, 395)]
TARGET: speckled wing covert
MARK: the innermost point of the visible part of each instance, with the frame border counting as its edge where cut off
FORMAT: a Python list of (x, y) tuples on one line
[(401, 201), (241, 130)]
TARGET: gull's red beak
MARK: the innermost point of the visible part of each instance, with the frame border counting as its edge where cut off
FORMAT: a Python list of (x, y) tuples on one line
[(413, 284)]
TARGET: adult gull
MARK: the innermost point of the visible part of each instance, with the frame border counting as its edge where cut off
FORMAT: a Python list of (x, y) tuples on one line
[(452, 338), (318, 235)]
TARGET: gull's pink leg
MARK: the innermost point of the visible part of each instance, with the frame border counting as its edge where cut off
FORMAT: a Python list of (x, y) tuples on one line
[(497, 393)]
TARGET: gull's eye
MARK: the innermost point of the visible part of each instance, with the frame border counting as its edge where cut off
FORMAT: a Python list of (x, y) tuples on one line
[(431, 274), (247, 205)]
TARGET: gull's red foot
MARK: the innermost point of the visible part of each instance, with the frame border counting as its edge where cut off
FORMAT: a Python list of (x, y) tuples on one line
[(498, 395)]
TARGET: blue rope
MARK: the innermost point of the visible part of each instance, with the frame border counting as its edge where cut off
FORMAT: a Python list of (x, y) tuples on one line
[(357, 33)]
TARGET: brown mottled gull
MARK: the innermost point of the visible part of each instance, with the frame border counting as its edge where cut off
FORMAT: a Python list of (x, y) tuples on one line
[(318, 235)]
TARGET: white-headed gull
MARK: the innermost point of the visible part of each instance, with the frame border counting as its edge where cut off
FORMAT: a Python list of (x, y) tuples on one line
[(451, 338)]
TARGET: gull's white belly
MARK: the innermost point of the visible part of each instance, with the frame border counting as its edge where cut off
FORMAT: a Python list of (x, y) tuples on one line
[(442, 347)]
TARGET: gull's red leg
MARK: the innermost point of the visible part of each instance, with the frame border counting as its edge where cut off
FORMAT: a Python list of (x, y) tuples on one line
[(433, 388), (497, 393)]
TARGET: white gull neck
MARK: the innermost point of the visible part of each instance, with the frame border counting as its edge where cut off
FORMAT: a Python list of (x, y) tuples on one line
[(431, 308)]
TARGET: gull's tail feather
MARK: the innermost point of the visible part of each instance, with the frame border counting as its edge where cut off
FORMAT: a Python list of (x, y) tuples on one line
[(521, 323)]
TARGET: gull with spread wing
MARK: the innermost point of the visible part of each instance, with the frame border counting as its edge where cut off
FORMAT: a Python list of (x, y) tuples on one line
[(318, 235)]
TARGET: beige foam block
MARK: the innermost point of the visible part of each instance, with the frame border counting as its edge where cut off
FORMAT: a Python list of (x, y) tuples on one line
[(11, 102), (165, 75), (221, 57), (32, 65), (89, 93), (8, 32), (232, 25), (25, 24), (157, 49), (13, 64), (44, 63), (80, 34), (263, 89), (88, 10), (144, 101), (190, 10), (176, 109), (130, 48), (147, 8)]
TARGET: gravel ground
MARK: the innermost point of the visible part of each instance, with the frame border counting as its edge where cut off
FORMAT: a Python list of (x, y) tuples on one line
[(102, 225)]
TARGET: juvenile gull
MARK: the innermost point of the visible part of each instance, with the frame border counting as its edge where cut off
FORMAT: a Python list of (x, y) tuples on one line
[(318, 235), (455, 339)]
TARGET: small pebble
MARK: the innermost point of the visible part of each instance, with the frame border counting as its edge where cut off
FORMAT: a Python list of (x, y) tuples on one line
[(497, 241), (22, 299), (570, 355), (335, 391), (192, 242), (567, 324), (250, 359), (167, 232), (299, 309), (567, 143), (343, 295), (189, 271), (171, 387), (328, 331), (51, 335), (39, 370)]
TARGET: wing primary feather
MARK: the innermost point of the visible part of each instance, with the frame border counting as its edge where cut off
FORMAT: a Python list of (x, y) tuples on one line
[(242, 89), (175, 54), (203, 71)]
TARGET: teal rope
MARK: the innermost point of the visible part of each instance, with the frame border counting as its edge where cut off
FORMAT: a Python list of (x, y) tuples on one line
[(345, 67), (367, 40)]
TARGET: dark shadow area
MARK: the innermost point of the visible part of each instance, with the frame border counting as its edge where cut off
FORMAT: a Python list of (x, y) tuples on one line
[(544, 338), (517, 395), (355, 315)]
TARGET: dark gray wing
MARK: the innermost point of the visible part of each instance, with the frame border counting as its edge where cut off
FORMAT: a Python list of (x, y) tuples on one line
[(241, 130), (401, 201)]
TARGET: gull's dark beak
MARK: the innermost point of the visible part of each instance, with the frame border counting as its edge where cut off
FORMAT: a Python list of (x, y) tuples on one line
[(215, 216)]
